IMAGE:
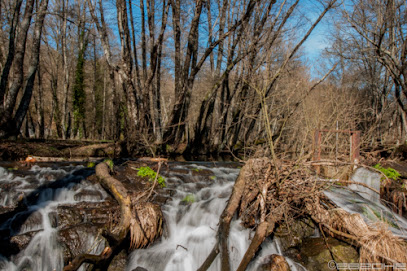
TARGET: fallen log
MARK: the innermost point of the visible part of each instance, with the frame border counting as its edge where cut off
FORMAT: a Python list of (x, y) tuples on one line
[(119, 193)]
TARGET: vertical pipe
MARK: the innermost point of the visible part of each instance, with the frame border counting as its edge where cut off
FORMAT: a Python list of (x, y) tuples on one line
[(317, 150)]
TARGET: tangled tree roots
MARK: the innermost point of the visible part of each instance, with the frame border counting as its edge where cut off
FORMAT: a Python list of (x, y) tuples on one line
[(146, 224), (265, 196), (142, 219)]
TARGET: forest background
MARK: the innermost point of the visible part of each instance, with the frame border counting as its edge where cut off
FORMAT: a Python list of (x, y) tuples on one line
[(201, 77)]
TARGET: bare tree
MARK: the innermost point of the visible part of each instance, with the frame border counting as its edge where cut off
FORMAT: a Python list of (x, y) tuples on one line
[(7, 108), (378, 33)]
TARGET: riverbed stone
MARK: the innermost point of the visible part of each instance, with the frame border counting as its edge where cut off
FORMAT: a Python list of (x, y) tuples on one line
[(27, 221), (292, 235), (119, 262), (274, 262), (79, 239), (21, 241), (98, 213), (201, 172), (316, 256), (88, 195)]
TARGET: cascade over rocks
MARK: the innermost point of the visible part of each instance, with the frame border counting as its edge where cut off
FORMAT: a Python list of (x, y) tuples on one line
[(139, 221)]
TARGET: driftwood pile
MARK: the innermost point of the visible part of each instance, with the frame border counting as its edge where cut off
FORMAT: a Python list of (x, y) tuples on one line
[(266, 195)]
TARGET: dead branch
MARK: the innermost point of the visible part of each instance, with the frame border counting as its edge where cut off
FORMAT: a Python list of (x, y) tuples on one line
[(349, 182), (294, 194)]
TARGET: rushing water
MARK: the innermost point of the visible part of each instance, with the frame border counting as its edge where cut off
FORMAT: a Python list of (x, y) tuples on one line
[(192, 217), (199, 193), (371, 179), (43, 252), (364, 201)]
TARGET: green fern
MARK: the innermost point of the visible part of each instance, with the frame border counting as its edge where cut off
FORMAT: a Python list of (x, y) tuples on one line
[(189, 199), (390, 173), (151, 175), (110, 163)]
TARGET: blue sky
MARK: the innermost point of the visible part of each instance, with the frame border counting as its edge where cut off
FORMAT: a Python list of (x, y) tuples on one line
[(319, 38)]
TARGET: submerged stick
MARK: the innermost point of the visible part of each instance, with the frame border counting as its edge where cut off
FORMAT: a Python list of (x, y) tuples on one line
[(263, 230), (88, 258)]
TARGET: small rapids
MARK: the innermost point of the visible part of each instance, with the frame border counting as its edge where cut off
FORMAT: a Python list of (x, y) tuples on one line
[(363, 201), (198, 194), (49, 187), (192, 218)]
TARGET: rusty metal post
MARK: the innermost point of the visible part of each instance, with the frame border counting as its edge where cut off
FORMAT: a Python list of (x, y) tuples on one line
[(317, 150), (355, 152)]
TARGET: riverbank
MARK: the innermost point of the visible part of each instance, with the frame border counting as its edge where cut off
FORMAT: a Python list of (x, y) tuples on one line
[(15, 150), (87, 150)]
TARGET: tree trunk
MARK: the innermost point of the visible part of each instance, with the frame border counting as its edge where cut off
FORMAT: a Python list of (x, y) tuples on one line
[(6, 114), (65, 114), (32, 69), (11, 53)]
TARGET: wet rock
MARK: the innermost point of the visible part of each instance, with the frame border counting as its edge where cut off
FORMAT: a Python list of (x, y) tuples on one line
[(88, 195), (6, 186), (138, 268), (12, 246), (119, 262), (293, 234), (274, 263), (53, 219), (21, 241), (80, 239), (316, 256), (202, 172), (224, 194), (206, 195), (178, 171), (98, 213), (187, 179), (26, 222), (10, 198), (79, 227)]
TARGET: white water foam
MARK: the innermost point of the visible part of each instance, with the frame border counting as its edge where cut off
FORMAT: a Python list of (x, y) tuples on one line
[(371, 179), (44, 252), (192, 228)]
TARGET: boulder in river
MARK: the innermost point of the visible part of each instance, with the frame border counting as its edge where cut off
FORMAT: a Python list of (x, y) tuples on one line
[(317, 253)]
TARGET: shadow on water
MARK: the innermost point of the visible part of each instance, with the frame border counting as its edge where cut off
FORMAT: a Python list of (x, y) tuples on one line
[(11, 222)]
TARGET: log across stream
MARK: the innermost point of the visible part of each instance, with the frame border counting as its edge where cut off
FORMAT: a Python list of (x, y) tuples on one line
[(68, 212)]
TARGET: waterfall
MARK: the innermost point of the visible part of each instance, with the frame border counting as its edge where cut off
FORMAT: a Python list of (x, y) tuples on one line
[(371, 211), (192, 225), (371, 179), (198, 194), (43, 252)]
